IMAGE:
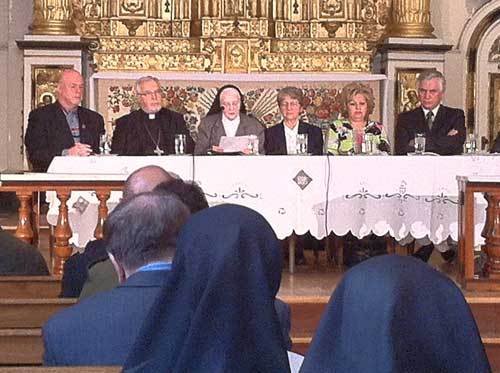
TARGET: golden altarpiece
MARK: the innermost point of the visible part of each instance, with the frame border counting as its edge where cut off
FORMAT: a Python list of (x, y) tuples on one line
[(194, 46)]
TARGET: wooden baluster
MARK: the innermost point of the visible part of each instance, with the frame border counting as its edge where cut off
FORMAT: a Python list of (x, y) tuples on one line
[(62, 234), (24, 229), (491, 233), (102, 213)]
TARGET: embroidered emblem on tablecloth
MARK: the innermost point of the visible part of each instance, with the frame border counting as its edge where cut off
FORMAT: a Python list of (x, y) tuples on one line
[(302, 179)]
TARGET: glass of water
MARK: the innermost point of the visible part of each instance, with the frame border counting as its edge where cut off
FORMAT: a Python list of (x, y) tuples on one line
[(419, 143), (104, 144), (301, 144), (180, 144), (253, 144)]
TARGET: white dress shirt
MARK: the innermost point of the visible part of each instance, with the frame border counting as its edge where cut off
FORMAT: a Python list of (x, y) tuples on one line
[(291, 138), (230, 125)]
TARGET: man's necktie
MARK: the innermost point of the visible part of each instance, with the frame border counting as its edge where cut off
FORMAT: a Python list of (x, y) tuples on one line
[(429, 118)]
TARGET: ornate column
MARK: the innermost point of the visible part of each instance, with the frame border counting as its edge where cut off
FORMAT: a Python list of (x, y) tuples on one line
[(410, 19), (53, 17)]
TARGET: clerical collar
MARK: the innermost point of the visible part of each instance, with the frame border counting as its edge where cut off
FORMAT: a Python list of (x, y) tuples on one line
[(151, 116), (156, 266)]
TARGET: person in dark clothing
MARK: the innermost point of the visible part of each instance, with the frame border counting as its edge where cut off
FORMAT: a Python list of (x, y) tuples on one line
[(396, 314)]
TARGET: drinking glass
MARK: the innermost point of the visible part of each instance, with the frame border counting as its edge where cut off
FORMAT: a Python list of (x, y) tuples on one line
[(253, 144), (301, 144), (104, 144), (180, 144), (419, 143)]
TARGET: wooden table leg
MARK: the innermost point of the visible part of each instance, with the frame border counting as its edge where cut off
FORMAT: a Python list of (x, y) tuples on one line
[(62, 234), (102, 213), (24, 229), (292, 244), (491, 233)]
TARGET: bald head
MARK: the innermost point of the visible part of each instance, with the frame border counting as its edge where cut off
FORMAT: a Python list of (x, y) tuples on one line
[(70, 89), (145, 179)]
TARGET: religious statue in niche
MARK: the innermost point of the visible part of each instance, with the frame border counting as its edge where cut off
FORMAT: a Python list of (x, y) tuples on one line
[(92, 9), (234, 8)]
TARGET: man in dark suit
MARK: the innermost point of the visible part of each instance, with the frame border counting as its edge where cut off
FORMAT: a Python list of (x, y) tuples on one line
[(140, 238), (17, 258), (281, 138), (444, 127), (150, 130), (227, 117), (64, 127), (444, 130)]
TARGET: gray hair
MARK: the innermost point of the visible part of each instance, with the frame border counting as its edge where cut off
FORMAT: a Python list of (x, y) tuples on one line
[(148, 78), (429, 75)]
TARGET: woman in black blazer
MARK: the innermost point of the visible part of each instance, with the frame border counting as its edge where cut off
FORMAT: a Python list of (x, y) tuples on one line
[(280, 139)]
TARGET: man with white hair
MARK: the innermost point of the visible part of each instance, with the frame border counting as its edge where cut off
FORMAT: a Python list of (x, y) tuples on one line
[(227, 117), (150, 130), (443, 126), (64, 127)]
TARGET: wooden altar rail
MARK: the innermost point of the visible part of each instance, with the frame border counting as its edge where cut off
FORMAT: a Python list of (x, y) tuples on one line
[(24, 190), (490, 279)]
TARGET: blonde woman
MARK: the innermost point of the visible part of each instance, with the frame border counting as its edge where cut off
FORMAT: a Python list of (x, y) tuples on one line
[(357, 103)]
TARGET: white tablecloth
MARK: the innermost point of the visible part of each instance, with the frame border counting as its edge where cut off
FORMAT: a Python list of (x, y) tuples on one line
[(400, 196)]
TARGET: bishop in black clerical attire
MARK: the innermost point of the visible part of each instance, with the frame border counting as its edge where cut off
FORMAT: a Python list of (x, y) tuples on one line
[(150, 130)]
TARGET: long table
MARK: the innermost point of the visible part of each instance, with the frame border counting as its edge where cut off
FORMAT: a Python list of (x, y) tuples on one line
[(399, 196)]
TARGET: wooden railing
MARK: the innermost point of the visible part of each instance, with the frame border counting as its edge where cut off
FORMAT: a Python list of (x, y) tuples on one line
[(25, 188), (489, 279)]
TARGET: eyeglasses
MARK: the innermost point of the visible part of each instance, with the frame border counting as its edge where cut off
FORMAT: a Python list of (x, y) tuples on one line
[(290, 104), (150, 93)]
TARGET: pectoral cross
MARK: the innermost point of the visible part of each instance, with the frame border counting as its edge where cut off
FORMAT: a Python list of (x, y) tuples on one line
[(158, 151)]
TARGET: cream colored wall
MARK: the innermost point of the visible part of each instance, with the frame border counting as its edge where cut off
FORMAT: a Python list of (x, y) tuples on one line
[(448, 18), (15, 17)]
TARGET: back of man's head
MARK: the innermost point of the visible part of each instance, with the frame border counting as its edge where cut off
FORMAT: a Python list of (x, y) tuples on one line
[(145, 179), (189, 193), (144, 228)]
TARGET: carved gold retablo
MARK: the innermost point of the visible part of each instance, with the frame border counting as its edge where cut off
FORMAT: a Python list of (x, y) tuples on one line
[(53, 17), (410, 19)]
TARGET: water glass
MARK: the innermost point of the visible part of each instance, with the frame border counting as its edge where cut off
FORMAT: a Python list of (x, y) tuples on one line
[(301, 144), (253, 144), (367, 147), (471, 144), (104, 144), (180, 144), (419, 143)]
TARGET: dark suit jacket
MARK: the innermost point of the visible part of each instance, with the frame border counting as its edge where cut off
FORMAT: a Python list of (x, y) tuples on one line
[(17, 258), (211, 130), (496, 145), (129, 135), (48, 133), (101, 329), (436, 140), (275, 143)]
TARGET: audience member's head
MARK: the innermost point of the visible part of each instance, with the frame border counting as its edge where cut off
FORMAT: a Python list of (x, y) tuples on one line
[(396, 314), (217, 313), (145, 179), (189, 193), (143, 229), (148, 91), (225, 94)]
